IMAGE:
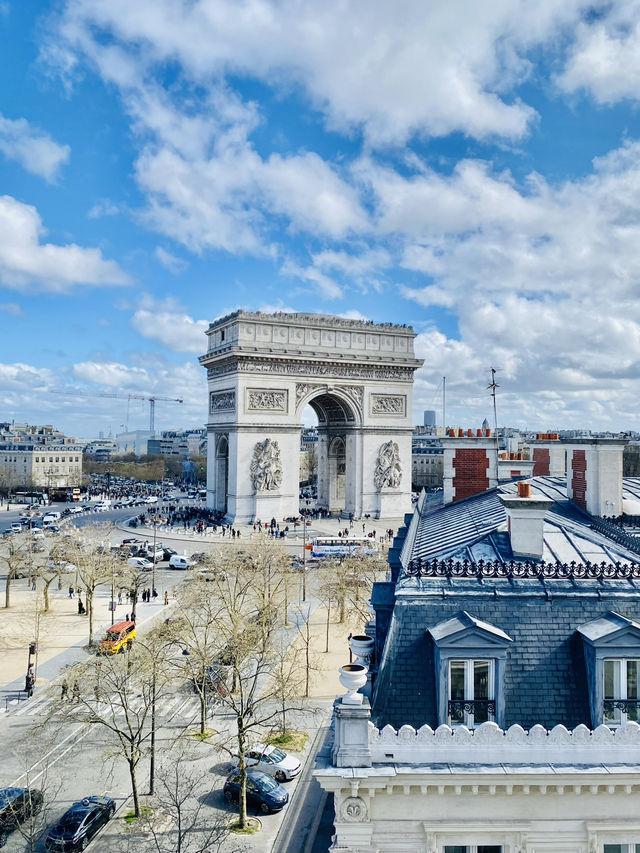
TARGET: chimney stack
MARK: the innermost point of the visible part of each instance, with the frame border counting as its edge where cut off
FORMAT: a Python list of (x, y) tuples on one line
[(469, 464), (594, 475), (525, 519)]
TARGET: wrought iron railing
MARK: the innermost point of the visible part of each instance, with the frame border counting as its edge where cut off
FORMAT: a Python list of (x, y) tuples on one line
[(611, 705), (483, 708), (541, 570), (608, 528)]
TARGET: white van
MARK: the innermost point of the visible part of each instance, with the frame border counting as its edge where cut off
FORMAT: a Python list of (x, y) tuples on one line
[(178, 561), (52, 517)]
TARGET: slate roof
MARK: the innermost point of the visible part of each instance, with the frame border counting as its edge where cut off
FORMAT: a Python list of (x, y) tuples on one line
[(545, 675), (476, 529)]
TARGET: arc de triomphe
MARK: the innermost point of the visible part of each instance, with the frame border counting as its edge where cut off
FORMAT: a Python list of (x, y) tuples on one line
[(263, 369)]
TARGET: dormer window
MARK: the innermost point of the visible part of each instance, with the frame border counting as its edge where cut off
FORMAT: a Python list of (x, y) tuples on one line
[(470, 662), (612, 656)]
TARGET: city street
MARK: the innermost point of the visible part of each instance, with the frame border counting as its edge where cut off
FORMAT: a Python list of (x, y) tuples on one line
[(80, 760)]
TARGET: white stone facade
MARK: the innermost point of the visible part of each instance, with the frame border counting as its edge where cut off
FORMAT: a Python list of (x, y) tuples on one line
[(262, 372), (428, 791)]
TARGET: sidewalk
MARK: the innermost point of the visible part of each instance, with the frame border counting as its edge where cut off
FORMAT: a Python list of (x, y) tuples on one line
[(61, 633)]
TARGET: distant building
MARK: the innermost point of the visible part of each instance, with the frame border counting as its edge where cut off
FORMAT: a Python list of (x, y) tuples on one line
[(173, 443), (100, 449), (427, 460), (133, 442), (39, 456), (429, 418)]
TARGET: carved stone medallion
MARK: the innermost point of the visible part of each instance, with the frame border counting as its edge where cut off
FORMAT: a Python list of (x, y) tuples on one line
[(354, 809)]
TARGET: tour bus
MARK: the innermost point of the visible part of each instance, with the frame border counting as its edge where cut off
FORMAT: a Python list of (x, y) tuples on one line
[(343, 546)]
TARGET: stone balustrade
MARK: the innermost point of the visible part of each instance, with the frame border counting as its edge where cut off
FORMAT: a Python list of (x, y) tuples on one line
[(489, 744)]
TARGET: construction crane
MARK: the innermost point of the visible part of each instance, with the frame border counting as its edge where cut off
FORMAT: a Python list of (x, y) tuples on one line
[(128, 398)]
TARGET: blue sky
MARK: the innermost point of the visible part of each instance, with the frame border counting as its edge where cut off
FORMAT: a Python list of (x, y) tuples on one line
[(472, 169)]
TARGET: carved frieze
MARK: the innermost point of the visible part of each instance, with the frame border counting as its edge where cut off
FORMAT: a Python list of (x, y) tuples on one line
[(333, 370), (388, 404), (222, 401), (259, 400)]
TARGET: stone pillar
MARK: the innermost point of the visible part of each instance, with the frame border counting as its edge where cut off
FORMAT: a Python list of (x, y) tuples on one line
[(351, 740)]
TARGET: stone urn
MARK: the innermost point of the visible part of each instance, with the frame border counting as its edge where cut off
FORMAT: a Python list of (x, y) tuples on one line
[(362, 647), (353, 676)]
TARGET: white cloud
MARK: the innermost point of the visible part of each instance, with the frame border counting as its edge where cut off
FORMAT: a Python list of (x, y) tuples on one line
[(34, 149), (172, 328), (114, 375), (326, 287), (12, 308), (354, 314), (26, 262), (171, 262), (605, 57), (438, 68), (104, 207)]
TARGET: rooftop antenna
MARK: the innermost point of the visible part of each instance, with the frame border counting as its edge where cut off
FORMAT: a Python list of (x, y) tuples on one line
[(493, 386), (444, 401)]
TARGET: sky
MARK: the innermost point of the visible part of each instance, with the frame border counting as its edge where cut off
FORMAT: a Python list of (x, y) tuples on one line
[(471, 169)]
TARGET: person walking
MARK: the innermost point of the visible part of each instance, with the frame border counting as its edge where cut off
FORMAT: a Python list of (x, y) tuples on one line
[(71, 591), (166, 597), (64, 690), (80, 607), (75, 691), (119, 597)]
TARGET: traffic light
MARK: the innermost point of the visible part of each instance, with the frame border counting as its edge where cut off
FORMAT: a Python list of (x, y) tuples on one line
[(33, 648)]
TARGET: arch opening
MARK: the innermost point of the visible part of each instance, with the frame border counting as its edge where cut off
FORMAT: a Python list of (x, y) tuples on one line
[(222, 473), (337, 423)]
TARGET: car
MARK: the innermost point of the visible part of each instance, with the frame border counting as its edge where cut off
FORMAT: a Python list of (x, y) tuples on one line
[(263, 793), (80, 823), (273, 761), (140, 563), (177, 561), (167, 553), (117, 638), (16, 806), (16, 527), (74, 510)]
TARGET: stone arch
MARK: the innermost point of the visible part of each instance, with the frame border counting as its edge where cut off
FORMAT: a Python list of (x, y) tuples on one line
[(262, 370)]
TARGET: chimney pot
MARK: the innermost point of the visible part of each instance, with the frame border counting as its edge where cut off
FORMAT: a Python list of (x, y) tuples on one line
[(524, 489)]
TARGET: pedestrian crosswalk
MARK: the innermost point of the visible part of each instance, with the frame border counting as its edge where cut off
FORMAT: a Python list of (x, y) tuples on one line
[(177, 708)]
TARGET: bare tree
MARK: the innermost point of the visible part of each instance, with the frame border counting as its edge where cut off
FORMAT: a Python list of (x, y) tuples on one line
[(95, 565), (349, 582), (247, 621), (180, 798), (15, 554), (118, 693)]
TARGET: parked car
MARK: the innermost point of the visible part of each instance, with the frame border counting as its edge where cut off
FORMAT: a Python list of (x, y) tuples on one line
[(16, 806), (273, 761), (140, 563), (167, 553), (263, 792), (177, 561), (80, 823)]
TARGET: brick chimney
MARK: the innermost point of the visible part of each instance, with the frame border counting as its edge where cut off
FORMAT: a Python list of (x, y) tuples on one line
[(469, 464), (548, 454), (594, 474), (525, 518)]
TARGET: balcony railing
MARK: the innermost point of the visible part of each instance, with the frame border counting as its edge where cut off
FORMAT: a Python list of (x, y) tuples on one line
[(624, 705), (484, 709)]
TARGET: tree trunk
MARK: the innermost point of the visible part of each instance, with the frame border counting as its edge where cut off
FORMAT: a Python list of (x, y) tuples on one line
[(326, 642), (134, 786), (242, 767), (7, 589), (203, 711), (45, 590), (89, 597)]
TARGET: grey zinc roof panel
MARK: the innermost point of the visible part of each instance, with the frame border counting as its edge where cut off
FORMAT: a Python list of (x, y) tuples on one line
[(460, 622), (604, 625)]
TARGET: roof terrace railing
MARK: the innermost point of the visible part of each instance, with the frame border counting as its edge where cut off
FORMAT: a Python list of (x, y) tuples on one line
[(611, 530), (513, 569)]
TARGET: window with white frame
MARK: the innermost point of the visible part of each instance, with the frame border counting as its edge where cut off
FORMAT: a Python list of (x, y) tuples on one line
[(621, 848), (483, 848), (621, 699), (471, 694)]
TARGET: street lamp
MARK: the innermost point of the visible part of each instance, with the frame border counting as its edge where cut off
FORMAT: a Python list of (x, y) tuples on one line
[(304, 557)]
